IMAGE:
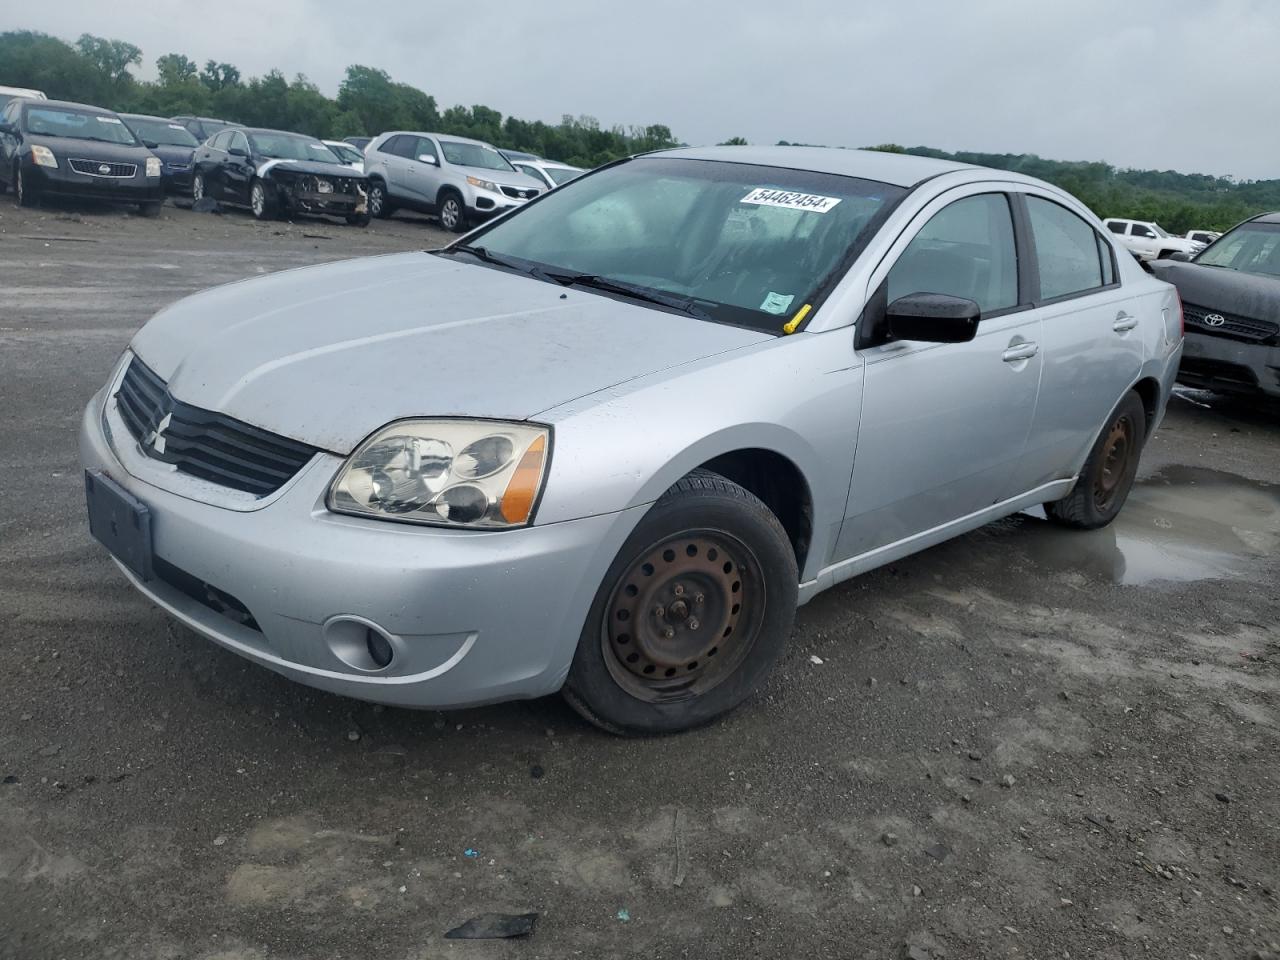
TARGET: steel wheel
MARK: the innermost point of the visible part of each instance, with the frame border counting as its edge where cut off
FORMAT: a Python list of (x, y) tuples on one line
[(197, 188), (683, 617), (1117, 448), (451, 213)]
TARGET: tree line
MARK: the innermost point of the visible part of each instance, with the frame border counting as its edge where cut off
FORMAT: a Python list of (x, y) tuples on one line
[(97, 70)]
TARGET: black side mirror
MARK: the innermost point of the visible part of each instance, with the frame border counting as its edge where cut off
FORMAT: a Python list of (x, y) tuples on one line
[(1182, 257), (933, 318), (150, 144), (237, 152)]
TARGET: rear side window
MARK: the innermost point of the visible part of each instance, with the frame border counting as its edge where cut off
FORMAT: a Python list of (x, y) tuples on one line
[(397, 146), (965, 250), (1066, 250), (1116, 228)]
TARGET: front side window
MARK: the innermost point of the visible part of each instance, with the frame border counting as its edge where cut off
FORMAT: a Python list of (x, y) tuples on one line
[(1066, 250), (1250, 248), (1142, 230), (239, 140), (966, 250), (479, 155), (423, 146), (739, 243), (74, 125), (529, 171)]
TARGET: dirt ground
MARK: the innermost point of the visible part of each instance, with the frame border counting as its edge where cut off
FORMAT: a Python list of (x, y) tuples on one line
[(1023, 743)]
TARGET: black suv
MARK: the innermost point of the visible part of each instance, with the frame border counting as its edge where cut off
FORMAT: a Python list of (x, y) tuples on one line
[(71, 149)]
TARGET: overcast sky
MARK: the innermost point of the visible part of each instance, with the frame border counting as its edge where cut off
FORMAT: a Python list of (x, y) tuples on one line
[(1181, 84)]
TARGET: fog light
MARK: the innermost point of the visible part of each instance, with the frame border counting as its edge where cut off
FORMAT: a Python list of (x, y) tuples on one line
[(380, 651)]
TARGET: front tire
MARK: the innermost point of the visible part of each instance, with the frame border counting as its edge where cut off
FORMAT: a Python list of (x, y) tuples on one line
[(262, 201), (453, 214), (1108, 473), (358, 219), (197, 188), (22, 192), (151, 209), (379, 202), (692, 613)]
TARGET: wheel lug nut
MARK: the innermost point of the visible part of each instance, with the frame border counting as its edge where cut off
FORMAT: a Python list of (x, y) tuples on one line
[(668, 633), (679, 589), (698, 598), (659, 611), (693, 623)]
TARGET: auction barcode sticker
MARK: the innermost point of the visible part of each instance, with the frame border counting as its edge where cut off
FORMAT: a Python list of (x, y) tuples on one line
[(764, 197)]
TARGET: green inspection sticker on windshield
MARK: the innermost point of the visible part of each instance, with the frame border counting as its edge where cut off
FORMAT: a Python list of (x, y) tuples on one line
[(810, 202), (777, 303)]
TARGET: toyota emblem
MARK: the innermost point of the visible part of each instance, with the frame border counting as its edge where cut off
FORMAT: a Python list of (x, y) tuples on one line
[(104, 169), (1215, 320)]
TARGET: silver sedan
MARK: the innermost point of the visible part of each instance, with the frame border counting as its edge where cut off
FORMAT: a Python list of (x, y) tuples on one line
[(606, 444)]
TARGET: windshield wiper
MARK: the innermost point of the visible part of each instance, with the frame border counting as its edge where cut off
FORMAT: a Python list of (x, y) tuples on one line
[(481, 253), (634, 290)]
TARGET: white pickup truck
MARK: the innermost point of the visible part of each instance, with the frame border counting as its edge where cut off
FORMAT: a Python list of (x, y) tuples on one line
[(1147, 240)]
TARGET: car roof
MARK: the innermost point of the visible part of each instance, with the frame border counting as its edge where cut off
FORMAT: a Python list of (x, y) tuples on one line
[(287, 133), (900, 169), (145, 116), (72, 105), (439, 136), (1273, 217)]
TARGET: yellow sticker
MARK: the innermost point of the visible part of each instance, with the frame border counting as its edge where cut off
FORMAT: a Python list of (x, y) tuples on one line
[(790, 325)]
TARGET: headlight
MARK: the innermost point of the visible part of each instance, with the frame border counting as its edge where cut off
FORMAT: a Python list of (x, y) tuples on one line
[(457, 473), (43, 156), (153, 166), (484, 184)]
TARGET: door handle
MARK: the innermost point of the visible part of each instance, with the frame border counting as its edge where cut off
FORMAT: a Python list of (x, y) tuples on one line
[(1020, 351), (1124, 322)]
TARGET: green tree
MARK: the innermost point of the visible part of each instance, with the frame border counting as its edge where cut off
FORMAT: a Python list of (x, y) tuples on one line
[(175, 69), (734, 142), (219, 76), (112, 57)]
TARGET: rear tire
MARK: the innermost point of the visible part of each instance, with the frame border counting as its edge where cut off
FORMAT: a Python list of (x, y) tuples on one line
[(358, 219), (452, 212), (1108, 473), (691, 615)]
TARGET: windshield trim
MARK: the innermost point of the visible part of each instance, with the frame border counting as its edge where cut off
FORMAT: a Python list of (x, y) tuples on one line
[(824, 287)]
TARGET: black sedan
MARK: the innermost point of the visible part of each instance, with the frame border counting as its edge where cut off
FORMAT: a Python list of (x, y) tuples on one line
[(1231, 303), (275, 173), (52, 147), (172, 143)]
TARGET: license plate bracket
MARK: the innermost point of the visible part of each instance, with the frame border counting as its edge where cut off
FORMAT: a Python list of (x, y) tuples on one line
[(120, 522)]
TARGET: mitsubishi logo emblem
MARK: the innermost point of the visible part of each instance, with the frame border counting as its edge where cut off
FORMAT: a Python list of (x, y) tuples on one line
[(155, 439)]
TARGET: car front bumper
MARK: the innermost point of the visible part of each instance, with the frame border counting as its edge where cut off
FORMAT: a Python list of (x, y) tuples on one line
[(472, 616), (486, 203), (1230, 366), (63, 181)]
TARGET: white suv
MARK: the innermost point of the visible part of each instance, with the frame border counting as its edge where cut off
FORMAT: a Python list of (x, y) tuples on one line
[(1147, 240), (457, 179)]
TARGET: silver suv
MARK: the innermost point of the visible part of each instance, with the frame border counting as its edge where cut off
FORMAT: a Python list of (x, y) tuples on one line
[(457, 179)]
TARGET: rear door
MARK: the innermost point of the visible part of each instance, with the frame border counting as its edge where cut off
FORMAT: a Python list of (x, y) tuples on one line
[(211, 162), (1090, 333), (944, 425), (424, 174), (395, 153)]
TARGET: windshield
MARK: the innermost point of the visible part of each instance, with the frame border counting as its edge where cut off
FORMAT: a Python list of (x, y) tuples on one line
[(474, 155), (1249, 248), (291, 146), (561, 175), (346, 153), (745, 244), (1160, 231), (162, 131), (55, 122)]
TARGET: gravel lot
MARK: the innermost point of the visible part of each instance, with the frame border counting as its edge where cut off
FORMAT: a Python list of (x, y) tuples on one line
[(1023, 743)]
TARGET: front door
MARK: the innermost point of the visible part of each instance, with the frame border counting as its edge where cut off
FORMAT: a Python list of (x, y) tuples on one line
[(238, 171), (944, 425)]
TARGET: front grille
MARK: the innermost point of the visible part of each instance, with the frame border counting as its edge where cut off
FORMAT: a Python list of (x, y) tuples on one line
[(1233, 326), (1208, 370), (101, 168), (219, 601), (205, 444), (520, 193)]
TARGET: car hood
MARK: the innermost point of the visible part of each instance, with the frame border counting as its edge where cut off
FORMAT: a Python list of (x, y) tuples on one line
[(306, 166), (1220, 288), (72, 148), (327, 354), (174, 153)]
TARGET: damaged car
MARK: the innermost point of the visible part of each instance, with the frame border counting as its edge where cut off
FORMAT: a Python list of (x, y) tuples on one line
[(278, 174), (1231, 296), (606, 444)]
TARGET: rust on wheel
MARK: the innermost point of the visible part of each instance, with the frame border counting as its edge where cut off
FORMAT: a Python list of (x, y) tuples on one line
[(1117, 450), (683, 617)]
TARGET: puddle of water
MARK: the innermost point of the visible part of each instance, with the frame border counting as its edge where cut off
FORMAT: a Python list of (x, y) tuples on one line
[(1183, 524)]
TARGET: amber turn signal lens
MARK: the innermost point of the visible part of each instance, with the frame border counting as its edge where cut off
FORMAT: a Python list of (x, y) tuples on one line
[(517, 502)]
